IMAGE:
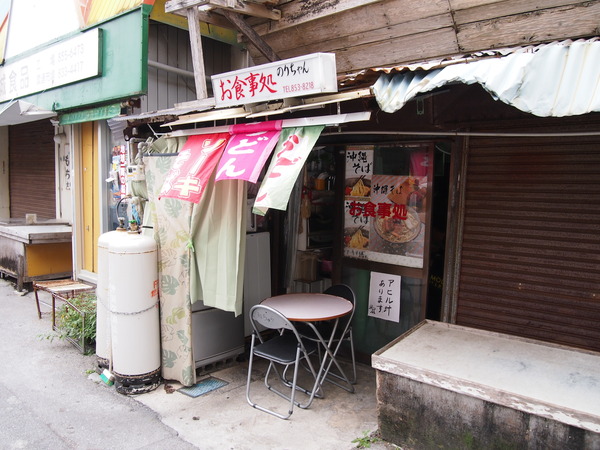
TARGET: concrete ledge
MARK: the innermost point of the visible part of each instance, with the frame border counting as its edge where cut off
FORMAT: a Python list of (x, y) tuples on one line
[(446, 386)]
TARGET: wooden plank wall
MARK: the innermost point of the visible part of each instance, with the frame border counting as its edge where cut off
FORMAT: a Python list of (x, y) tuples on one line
[(392, 32)]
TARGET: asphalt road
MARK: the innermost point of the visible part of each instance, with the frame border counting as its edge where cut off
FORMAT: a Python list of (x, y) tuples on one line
[(51, 398)]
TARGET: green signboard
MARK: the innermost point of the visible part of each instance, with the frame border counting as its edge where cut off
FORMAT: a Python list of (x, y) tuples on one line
[(91, 114), (124, 71)]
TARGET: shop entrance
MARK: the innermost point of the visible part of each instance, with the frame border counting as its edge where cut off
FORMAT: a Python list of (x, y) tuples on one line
[(338, 242)]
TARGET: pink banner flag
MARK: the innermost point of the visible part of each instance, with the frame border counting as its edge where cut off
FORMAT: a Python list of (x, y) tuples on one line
[(248, 150), (193, 167)]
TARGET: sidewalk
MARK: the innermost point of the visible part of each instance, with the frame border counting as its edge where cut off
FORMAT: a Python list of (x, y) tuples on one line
[(50, 397)]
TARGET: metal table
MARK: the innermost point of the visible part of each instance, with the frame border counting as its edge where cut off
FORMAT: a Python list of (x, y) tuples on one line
[(311, 308)]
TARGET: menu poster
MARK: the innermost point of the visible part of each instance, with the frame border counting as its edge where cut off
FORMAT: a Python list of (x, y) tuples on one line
[(384, 296), (385, 214), (359, 172)]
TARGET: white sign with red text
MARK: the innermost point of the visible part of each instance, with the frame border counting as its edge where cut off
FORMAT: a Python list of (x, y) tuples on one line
[(295, 77)]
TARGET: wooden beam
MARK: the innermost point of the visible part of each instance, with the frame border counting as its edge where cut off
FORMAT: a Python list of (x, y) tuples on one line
[(197, 53), (175, 6), (252, 36), (568, 22), (464, 12), (378, 22), (215, 19), (295, 13), (249, 9)]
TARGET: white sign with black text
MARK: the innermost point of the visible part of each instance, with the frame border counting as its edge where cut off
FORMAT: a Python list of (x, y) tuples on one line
[(68, 61), (384, 296), (294, 77)]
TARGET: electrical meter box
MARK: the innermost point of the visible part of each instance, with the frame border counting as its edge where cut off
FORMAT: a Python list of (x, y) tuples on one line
[(136, 173)]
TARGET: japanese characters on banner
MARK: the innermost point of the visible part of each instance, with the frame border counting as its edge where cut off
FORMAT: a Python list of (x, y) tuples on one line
[(193, 167), (384, 296), (292, 150), (242, 155), (384, 214), (248, 150)]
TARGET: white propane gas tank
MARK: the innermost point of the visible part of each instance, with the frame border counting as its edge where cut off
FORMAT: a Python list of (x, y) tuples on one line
[(103, 334), (133, 300)]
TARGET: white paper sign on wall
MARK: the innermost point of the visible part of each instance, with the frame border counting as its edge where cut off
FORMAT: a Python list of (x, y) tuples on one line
[(384, 296)]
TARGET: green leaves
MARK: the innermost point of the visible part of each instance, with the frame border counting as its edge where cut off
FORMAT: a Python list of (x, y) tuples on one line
[(169, 358), (176, 315), (173, 207), (169, 285), (77, 319)]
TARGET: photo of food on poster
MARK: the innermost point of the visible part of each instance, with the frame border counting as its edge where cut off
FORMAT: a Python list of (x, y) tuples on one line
[(384, 214), (357, 191)]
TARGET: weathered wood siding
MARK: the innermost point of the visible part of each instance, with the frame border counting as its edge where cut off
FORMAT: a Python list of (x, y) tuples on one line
[(391, 32)]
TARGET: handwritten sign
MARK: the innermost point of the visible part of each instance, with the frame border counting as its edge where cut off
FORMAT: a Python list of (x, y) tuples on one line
[(295, 77), (384, 296)]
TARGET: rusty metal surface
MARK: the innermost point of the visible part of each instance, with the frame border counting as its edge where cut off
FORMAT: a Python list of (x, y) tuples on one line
[(32, 170), (530, 260)]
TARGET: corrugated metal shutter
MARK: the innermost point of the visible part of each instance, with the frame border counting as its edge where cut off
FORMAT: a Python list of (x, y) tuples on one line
[(530, 263), (31, 166)]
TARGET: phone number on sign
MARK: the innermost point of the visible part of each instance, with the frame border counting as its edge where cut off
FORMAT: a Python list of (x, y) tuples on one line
[(299, 87)]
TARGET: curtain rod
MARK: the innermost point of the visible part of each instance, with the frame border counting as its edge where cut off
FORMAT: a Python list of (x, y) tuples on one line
[(462, 133), (334, 119)]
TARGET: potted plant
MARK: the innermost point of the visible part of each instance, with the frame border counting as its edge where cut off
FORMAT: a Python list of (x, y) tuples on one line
[(75, 321)]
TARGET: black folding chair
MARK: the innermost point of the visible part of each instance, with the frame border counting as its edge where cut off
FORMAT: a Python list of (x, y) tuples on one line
[(342, 333), (285, 349)]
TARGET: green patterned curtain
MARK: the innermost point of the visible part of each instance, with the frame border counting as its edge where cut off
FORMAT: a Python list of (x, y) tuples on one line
[(171, 219), (201, 254)]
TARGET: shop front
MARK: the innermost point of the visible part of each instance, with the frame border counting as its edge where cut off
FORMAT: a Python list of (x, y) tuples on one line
[(379, 205), (64, 158), (66, 85)]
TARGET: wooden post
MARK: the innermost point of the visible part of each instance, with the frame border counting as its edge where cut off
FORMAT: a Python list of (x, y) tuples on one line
[(193, 18)]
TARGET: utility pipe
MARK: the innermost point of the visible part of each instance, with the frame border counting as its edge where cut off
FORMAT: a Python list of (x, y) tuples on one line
[(463, 133)]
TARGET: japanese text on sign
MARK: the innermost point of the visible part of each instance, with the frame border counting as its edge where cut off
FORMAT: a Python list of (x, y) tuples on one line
[(359, 162), (305, 75), (384, 296), (62, 63)]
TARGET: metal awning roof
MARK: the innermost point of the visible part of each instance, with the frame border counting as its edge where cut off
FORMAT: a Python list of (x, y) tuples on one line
[(554, 79), (169, 113), (203, 110), (558, 79), (19, 111), (270, 109)]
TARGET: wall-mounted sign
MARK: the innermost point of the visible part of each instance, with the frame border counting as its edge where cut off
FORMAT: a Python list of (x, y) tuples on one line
[(295, 77), (62, 63), (384, 296)]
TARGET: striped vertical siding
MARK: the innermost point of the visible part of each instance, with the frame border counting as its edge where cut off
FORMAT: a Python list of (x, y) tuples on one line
[(530, 262)]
